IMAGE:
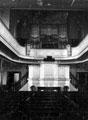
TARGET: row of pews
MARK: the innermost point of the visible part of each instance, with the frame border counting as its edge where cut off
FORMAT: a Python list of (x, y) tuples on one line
[(45, 105)]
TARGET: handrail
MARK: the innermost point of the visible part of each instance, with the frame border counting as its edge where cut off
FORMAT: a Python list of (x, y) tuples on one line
[(74, 80), (9, 40), (22, 81)]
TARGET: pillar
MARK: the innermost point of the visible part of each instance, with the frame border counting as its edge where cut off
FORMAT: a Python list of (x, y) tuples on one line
[(30, 76), (69, 52), (42, 74), (1, 70)]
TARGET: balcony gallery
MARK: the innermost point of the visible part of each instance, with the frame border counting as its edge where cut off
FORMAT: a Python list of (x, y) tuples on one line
[(48, 29)]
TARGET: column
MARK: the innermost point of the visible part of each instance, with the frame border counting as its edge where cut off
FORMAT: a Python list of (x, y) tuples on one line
[(30, 76), (55, 68), (42, 74), (69, 52)]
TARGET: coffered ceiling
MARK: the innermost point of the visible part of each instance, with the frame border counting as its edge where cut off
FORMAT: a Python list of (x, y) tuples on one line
[(45, 4)]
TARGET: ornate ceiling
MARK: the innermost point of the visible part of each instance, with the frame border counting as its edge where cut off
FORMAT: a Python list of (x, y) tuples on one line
[(45, 4)]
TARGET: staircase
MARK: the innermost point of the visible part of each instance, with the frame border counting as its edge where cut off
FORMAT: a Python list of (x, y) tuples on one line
[(72, 88), (21, 83), (51, 106), (24, 88), (73, 83), (47, 105)]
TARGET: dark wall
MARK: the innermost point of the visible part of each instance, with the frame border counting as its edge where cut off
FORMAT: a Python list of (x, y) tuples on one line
[(80, 71), (0, 71), (12, 67), (77, 26)]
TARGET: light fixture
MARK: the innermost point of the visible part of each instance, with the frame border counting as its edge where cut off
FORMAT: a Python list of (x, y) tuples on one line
[(40, 2), (49, 4), (72, 2)]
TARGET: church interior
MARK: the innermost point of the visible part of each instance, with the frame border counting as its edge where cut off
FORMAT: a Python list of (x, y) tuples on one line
[(44, 59)]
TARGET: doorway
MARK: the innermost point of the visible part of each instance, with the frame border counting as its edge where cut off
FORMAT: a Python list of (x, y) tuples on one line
[(12, 78), (83, 80)]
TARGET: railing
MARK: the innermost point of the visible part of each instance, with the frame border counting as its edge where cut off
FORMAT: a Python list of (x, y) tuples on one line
[(9, 40), (16, 86), (74, 80)]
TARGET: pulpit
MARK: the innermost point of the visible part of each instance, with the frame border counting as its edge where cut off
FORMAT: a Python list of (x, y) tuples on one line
[(48, 74)]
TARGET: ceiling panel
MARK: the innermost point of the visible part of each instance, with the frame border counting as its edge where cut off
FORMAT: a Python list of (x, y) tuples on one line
[(50, 4)]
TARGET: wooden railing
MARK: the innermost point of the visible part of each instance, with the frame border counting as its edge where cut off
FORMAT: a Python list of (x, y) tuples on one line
[(22, 81), (74, 80)]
